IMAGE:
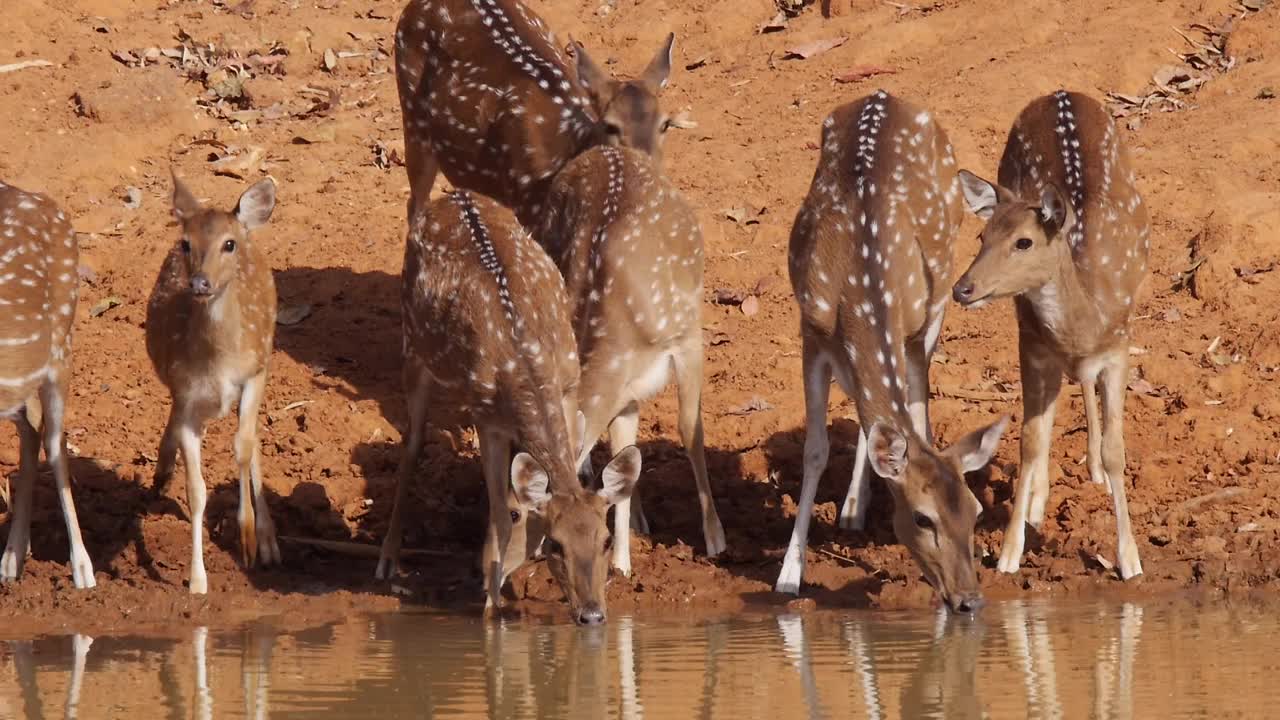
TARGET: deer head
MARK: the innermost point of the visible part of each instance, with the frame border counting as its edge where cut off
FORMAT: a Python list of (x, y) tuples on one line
[(628, 109), (211, 239), (933, 509), (577, 543), (1020, 243)]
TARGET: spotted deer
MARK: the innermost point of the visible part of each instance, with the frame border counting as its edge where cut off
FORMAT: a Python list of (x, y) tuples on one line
[(487, 97), (870, 264), (487, 341), (210, 327), (630, 250), (38, 290), (1067, 237)]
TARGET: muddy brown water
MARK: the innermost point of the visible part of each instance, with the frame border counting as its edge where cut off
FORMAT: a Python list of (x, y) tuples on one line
[(1167, 659)]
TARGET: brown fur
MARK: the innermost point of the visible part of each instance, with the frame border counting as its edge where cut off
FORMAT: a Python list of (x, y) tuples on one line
[(1067, 237), (502, 117), (38, 293)]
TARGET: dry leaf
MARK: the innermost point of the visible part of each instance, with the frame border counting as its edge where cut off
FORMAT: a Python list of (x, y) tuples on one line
[(132, 198), (862, 72), (245, 165), (104, 305), (725, 296), (813, 48), (777, 24), (750, 306), (754, 405), (764, 283), (719, 338), (293, 314), (322, 134), (330, 60)]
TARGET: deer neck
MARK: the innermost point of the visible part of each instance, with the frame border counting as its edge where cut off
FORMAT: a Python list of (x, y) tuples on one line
[(1064, 303)]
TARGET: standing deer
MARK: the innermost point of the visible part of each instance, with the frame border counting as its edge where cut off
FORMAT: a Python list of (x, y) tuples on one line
[(630, 250), (38, 289), (488, 97), (487, 341), (870, 264), (210, 325), (1067, 236)]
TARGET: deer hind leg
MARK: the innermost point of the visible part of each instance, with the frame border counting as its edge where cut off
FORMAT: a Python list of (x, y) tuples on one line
[(189, 437), (167, 457), (1114, 379), (19, 543), (52, 395), (622, 432), (817, 390), (495, 456), (1041, 383), (688, 372), (389, 557), (257, 531)]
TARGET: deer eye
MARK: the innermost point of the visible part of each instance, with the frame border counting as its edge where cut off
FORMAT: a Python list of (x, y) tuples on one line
[(515, 516), (1023, 244), (229, 246), (551, 547), (186, 246), (924, 522)]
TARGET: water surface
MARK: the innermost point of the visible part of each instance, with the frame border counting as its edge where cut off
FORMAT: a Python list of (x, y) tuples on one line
[(1168, 659)]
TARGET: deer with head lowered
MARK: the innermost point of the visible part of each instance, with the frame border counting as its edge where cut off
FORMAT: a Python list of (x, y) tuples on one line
[(488, 98), (38, 291), (1067, 237), (210, 326), (487, 341), (630, 250), (870, 264)]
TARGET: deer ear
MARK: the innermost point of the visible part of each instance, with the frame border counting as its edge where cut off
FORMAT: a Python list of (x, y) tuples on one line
[(659, 70), (887, 451), (590, 75), (530, 482), (974, 450), (1053, 209), (255, 205), (621, 475), (980, 195), (185, 205)]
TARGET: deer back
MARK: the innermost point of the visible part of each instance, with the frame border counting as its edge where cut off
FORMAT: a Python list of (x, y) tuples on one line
[(485, 318), (870, 256), (1068, 140), (630, 250), (38, 290)]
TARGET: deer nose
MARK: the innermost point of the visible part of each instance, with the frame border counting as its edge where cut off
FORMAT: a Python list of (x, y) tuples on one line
[(591, 614), (200, 284), (969, 602), (962, 291)]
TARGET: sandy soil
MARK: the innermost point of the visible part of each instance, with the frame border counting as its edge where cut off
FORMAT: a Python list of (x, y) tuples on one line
[(1204, 414)]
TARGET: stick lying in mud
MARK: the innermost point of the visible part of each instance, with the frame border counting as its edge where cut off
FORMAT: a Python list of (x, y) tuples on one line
[(360, 549), (1182, 509), (14, 67)]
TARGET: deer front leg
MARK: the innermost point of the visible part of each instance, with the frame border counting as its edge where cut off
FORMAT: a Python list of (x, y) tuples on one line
[(19, 543), (52, 396), (257, 531), (495, 457), (688, 371), (189, 433), (622, 432), (1041, 383), (1093, 424), (1114, 380), (917, 357), (817, 389), (389, 557)]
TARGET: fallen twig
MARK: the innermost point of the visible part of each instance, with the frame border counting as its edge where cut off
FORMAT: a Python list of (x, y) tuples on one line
[(835, 556), (1194, 503), (959, 393), (14, 67), (361, 549)]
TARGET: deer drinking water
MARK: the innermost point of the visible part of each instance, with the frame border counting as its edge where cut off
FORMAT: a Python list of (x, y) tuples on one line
[(210, 325), (630, 250), (870, 262), (38, 290), (1067, 237), (487, 341), (488, 98)]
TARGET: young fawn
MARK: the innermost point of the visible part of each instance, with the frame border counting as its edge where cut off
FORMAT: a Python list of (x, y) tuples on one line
[(487, 341), (630, 250), (1067, 238), (870, 264), (488, 97), (38, 288), (210, 325)]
